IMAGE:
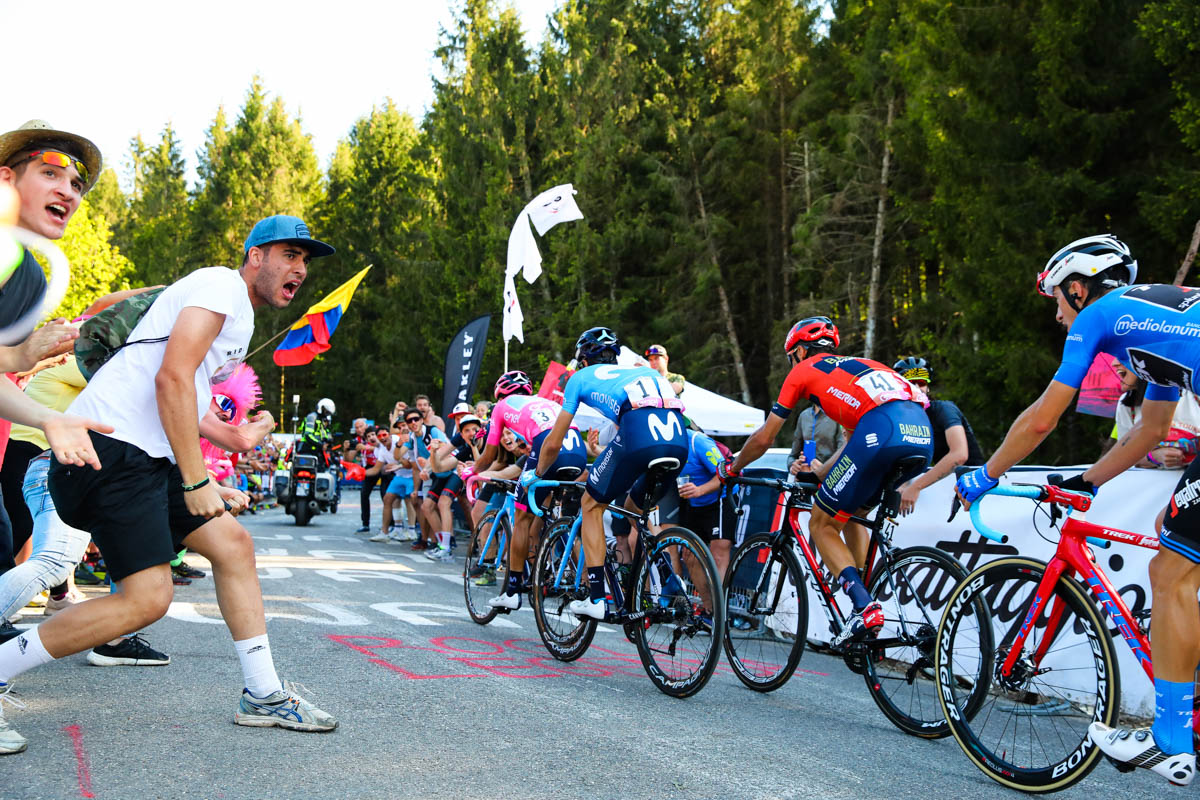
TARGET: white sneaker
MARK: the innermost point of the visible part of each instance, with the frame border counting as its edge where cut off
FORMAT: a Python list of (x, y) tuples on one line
[(441, 554), (396, 538), (286, 709), (587, 608), (382, 536), (1138, 749), (510, 601), (10, 740)]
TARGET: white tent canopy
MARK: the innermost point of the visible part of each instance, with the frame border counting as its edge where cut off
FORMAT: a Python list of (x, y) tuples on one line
[(712, 413)]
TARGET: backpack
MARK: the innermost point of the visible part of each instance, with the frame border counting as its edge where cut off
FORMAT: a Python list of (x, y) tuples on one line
[(101, 336)]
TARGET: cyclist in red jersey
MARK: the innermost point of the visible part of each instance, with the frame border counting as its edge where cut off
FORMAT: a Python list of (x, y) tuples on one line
[(886, 425)]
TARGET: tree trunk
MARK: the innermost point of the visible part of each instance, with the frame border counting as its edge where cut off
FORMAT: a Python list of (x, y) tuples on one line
[(877, 245), (1181, 275), (785, 265), (726, 313)]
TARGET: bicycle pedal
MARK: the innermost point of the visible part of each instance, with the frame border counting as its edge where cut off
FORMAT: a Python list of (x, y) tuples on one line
[(1122, 766)]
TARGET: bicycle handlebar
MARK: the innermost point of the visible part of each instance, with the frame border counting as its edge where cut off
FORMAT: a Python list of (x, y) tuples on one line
[(1032, 492), (543, 483), (805, 480)]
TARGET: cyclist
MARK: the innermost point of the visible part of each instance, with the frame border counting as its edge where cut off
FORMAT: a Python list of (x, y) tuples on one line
[(1151, 330), (650, 426), (885, 423), (954, 442), (529, 418)]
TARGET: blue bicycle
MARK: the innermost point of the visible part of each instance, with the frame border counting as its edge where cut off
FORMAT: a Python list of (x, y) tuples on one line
[(486, 564)]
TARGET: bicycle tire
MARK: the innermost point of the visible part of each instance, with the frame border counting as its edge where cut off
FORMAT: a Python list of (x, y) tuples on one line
[(1028, 711), (565, 636), (675, 618), (912, 586), (764, 648), (476, 597)]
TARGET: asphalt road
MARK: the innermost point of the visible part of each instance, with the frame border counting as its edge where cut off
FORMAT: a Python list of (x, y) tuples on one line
[(433, 705)]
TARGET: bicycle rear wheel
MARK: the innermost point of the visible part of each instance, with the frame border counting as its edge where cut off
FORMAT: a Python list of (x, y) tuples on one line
[(566, 636), (766, 613), (1030, 732), (912, 586), (489, 566), (678, 589)]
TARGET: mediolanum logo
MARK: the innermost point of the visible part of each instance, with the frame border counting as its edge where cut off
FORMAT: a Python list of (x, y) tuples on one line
[(1126, 323)]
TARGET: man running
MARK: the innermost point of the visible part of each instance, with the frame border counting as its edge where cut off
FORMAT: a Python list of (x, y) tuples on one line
[(650, 426), (530, 418), (1151, 330), (884, 427), (152, 496)]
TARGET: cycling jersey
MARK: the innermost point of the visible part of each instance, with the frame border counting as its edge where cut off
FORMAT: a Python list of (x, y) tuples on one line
[(568, 465), (524, 415), (1153, 329), (613, 390), (844, 387)]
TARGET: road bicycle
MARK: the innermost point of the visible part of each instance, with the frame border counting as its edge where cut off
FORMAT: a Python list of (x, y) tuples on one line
[(767, 608), (667, 599), (1046, 657), (487, 553)]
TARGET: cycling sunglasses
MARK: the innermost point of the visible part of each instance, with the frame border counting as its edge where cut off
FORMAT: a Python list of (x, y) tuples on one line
[(56, 159), (225, 404)]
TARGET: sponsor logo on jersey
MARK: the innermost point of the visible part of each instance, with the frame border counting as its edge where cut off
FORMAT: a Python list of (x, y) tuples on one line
[(1127, 324), (845, 397), (872, 440), (1187, 495), (914, 430), (841, 484), (1075, 337), (917, 439)]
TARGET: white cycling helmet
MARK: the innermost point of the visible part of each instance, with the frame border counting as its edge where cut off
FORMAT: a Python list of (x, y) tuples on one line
[(1086, 257), (325, 407)]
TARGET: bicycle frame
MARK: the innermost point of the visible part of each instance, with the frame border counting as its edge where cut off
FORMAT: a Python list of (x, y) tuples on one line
[(506, 510), (1072, 554)]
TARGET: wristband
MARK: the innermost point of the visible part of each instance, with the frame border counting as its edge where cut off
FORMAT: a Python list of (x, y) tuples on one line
[(1152, 460), (196, 486)]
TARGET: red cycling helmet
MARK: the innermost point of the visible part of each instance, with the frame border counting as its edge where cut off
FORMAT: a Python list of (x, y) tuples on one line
[(513, 382), (812, 333)]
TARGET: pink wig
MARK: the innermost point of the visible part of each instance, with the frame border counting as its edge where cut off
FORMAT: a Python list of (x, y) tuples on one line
[(242, 388)]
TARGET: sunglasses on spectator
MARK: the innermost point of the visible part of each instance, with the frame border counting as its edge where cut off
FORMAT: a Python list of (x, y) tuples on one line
[(224, 403), (56, 159), (411, 420)]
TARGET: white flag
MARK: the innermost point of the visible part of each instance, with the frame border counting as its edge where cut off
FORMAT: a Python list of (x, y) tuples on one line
[(523, 252), (513, 318), (552, 207)]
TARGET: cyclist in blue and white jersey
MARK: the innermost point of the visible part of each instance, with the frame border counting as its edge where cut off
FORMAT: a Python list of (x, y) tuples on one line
[(1154, 330), (650, 425)]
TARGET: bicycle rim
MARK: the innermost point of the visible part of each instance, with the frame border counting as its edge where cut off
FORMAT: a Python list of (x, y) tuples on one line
[(565, 636), (913, 588), (1030, 731), (766, 614), (477, 596), (679, 593)]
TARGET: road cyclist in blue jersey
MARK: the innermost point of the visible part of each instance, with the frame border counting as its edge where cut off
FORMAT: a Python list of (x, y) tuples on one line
[(650, 426), (1154, 331)]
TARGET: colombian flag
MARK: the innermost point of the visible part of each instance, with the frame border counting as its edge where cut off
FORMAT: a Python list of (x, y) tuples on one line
[(310, 335)]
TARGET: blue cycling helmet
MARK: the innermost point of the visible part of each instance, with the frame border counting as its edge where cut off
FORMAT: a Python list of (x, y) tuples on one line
[(598, 346)]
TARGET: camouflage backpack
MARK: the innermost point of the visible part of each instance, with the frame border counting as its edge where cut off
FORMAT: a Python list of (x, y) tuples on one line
[(101, 336)]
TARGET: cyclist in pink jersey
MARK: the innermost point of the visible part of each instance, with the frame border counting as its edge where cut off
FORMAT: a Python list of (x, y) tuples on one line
[(530, 418)]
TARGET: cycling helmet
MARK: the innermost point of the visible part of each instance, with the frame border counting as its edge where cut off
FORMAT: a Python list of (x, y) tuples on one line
[(598, 346), (913, 369), (325, 407), (1085, 258), (513, 382), (813, 333)]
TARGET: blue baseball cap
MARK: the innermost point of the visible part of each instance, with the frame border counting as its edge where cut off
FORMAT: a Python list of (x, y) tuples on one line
[(282, 228)]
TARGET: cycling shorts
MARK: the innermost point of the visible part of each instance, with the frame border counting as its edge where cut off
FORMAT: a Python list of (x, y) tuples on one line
[(709, 522), (1181, 525), (401, 485), (447, 485), (569, 465), (643, 435), (895, 430)]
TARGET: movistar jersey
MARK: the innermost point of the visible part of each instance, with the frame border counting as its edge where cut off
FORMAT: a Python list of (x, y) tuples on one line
[(844, 387), (1153, 329), (612, 390)]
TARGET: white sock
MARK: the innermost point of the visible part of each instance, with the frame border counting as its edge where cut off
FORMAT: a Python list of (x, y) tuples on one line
[(258, 668), (444, 539), (22, 653)]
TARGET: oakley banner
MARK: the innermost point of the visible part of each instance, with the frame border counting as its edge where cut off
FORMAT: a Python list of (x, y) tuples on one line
[(464, 359)]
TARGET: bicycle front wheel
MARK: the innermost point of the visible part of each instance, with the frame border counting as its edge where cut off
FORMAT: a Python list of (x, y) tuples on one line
[(483, 573), (766, 613), (912, 586), (678, 591), (1030, 732), (565, 635)]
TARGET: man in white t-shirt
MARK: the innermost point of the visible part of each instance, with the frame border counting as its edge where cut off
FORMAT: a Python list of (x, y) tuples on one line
[(152, 495)]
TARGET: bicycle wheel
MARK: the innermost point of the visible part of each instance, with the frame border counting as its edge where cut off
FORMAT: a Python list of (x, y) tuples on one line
[(1030, 732), (678, 590), (912, 586), (488, 566), (766, 613), (566, 636)]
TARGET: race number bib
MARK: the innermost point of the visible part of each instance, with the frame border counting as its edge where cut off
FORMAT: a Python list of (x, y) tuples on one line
[(652, 391), (542, 417), (883, 387)]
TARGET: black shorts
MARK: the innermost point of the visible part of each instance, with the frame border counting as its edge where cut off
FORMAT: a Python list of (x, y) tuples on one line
[(1181, 525), (133, 506), (448, 485), (713, 521)]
